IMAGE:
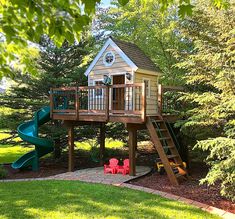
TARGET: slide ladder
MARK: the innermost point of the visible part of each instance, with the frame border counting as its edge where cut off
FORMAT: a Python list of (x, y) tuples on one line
[(166, 148), (28, 131)]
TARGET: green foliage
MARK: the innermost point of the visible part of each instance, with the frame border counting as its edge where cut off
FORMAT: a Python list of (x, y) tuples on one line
[(142, 23), (57, 67), (210, 80), (221, 158), (22, 23), (27, 21), (3, 172), (10, 118)]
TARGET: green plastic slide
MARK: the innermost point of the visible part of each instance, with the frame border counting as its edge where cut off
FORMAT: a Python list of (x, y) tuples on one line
[(28, 132)]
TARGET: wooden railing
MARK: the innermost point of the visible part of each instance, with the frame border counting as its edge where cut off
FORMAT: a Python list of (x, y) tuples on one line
[(168, 99), (99, 100), (64, 100)]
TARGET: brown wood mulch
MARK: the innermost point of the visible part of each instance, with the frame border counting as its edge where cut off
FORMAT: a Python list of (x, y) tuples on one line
[(189, 189)]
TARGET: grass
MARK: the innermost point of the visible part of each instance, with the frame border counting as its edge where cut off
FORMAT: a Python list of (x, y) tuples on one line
[(74, 199), (9, 153), (109, 143)]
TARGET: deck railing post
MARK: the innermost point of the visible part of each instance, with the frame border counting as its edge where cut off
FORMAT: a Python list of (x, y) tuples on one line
[(107, 102), (51, 103), (77, 102), (144, 102), (160, 98)]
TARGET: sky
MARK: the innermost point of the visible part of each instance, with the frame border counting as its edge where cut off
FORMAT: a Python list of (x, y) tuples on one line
[(105, 3)]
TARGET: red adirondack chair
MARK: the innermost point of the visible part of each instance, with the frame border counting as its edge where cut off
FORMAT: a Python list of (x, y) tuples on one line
[(112, 166), (125, 168)]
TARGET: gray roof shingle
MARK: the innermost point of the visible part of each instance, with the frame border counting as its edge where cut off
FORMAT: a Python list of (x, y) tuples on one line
[(136, 55)]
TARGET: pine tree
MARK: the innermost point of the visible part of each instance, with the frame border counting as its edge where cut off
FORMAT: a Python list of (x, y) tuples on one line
[(57, 67), (210, 77)]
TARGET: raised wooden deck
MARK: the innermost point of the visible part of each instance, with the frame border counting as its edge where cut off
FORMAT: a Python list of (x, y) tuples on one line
[(116, 103), (126, 103)]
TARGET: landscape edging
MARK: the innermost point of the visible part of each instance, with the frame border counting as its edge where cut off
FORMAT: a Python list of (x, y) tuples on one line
[(222, 213)]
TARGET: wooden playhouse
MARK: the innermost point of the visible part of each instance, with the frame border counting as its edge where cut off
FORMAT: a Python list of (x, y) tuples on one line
[(131, 95)]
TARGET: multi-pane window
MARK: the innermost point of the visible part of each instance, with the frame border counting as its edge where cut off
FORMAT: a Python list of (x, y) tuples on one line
[(98, 92)]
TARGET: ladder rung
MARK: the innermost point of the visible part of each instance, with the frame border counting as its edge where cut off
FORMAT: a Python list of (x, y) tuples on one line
[(168, 147), (178, 175), (164, 138), (172, 156), (157, 121), (162, 130)]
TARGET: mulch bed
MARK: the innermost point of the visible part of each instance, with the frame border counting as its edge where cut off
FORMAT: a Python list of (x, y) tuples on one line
[(50, 167), (189, 189)]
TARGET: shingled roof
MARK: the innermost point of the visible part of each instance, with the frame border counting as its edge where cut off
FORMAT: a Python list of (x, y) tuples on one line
[(136, 55), (131, 53)]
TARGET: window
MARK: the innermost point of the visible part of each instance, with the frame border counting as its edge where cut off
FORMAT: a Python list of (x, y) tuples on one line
[(147, 85), (98, 92), (108, 58)]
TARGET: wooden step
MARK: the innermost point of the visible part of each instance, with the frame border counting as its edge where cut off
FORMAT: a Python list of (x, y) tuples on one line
[(155, 121), (177, 175), (172, 156), (168, 147), (164, 138), (162, 130), (168, 156)]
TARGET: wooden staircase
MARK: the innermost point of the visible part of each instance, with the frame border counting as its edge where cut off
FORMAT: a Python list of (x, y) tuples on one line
[(165, 147)]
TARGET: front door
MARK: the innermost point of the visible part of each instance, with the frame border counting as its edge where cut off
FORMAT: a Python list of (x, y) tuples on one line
[(118, 100)]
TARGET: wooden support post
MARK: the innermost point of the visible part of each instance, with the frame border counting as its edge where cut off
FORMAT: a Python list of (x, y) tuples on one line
[(107, 103), (102, 143), (144, 105), (132, 131), (160, 98), (51, 103), (71, 148), (77, 102)]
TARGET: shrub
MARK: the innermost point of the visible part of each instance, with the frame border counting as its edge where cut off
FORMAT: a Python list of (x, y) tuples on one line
[(3, 172), (221, 159)]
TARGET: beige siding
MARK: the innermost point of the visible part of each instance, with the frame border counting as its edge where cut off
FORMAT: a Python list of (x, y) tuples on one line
[(152, 107), (119, 66)]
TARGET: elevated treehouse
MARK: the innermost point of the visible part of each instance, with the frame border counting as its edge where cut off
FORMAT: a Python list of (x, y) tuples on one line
[(131, 95)]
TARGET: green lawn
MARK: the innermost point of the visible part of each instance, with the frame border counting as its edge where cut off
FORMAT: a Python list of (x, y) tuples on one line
[(9, 153), (73, 199)]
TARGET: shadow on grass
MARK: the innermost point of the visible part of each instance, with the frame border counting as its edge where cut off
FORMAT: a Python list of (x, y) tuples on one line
[(73, 199)]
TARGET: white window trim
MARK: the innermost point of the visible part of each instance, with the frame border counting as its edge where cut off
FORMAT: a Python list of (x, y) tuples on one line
[(104, 60), (149, 90), (94, 95)]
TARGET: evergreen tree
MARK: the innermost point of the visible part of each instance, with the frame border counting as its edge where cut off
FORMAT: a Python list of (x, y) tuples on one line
[(210, 77), (57, 67)]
